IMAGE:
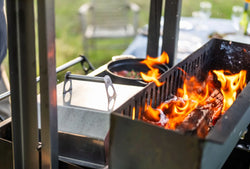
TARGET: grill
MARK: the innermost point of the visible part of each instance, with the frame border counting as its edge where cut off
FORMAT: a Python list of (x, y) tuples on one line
[(130, 139), (137, 144)]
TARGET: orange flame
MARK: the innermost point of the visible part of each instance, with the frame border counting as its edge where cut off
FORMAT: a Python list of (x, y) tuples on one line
[(230, 85), (133, 113), (153, 74), (195, 93), (192, 94), (152, 114)]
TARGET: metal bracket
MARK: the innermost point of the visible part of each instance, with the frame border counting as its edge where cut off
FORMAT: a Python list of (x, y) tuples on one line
[(110, 89), (86, 65), (67, 89), (111, 93)]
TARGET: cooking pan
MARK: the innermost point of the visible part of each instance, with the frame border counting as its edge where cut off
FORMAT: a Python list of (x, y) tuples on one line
[(130, 64)]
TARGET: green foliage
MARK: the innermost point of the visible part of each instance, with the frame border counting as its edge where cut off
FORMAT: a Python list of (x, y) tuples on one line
[(69, 43)]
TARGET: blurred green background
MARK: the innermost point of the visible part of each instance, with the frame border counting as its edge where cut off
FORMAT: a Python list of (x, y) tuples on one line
[(68, 30), (69, 36)]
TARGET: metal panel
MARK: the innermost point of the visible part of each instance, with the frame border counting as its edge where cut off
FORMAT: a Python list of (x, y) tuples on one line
[(22, 61), (81, 150), (140, 145), (5, 144), (6, 157), (49, 135)]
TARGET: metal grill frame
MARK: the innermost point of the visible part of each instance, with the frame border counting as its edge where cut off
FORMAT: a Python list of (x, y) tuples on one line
[(140, 144)]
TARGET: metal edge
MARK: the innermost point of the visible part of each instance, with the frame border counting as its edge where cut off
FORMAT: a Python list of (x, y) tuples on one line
[(137, 135), (233, 123), (81, 150)]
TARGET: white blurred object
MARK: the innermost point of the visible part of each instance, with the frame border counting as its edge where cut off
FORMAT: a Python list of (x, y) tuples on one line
[(185, 25), (205, 9), (236, 16), (203, 15), (121, 57)]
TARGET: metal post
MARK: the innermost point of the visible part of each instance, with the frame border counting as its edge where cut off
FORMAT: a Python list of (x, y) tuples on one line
[(22, 64), (154, 27), (49, 134), (171, 28)]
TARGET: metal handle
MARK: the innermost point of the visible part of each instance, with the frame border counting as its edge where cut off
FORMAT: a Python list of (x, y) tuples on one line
[(110, 90), (86, 66), (4, 95)]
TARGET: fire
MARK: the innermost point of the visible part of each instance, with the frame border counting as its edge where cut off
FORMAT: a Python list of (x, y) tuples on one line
[(192, 94), (230, 85), (133, 113), (195, 94), (153, 74)]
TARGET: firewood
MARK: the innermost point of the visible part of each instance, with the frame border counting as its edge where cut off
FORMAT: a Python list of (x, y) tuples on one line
[(201, 119)]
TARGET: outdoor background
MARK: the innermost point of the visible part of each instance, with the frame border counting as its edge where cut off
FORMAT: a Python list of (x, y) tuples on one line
[(69, 36)]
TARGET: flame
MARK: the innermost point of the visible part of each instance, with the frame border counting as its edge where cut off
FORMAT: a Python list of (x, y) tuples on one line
[(192, 94), (195, 93), (152, 114), (133, 113), (153, 74), (230, 85)]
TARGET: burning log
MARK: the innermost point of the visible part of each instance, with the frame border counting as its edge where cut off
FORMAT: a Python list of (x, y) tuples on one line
[(198, 121), (202, 118), (197, 105)]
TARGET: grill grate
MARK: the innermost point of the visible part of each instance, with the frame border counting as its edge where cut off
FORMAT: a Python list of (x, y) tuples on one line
[(198, 64)]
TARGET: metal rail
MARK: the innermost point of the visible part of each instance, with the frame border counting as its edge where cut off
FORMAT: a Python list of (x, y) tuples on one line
[(61, 68)]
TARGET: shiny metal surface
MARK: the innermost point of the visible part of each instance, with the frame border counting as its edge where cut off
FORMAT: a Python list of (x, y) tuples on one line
[(4, 95), (21, 36), (81, 150), (83, 121), (84, 110), (93, 95), (75, 151), (110, 90), (48, 100)]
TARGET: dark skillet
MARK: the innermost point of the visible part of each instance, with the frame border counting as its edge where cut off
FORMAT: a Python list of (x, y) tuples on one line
[(130, 65)]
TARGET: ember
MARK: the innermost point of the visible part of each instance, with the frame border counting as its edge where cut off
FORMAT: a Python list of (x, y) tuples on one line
[(198, 105)]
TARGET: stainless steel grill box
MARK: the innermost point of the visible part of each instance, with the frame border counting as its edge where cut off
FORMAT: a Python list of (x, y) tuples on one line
[(140, 145)]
